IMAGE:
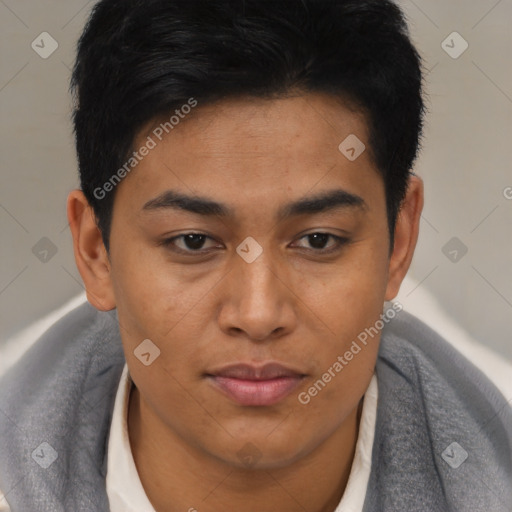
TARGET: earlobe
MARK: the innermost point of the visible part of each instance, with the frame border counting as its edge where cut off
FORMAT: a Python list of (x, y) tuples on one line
[(406, 236), (90, 254)]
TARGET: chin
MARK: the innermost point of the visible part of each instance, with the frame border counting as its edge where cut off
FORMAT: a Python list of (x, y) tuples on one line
[(260, 453)]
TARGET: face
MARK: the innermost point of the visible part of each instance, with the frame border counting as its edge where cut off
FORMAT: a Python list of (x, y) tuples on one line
[(288, 267)]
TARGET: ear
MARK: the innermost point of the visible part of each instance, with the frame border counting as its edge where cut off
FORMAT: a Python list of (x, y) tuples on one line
[(406, 235), (90, 254)]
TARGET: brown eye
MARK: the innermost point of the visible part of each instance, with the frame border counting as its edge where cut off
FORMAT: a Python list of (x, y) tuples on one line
[(319, 240), (194, 241), (188, 243)]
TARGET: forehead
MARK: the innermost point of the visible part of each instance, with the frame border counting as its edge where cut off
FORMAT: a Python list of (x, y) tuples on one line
[(297, 124), (265, 151)]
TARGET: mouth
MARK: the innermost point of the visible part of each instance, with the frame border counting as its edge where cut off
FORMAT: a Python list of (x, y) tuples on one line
[(250, 385)]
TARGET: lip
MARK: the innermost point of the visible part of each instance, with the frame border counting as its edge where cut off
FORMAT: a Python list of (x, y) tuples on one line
[(253, 385)]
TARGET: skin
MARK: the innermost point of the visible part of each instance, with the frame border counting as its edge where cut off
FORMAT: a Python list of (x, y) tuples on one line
[(291, 305)]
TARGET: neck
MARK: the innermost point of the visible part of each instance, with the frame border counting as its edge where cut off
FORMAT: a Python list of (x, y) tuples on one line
[(178, 477)]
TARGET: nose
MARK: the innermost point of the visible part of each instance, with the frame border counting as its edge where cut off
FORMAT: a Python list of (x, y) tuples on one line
[(257, 302)]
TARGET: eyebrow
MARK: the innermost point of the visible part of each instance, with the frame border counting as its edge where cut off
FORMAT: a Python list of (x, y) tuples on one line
[(322, 202)]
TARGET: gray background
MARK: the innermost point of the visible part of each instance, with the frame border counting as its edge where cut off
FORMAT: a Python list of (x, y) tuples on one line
[(465, 162)]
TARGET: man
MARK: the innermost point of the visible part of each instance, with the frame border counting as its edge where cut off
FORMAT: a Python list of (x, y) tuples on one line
[(247, 211)]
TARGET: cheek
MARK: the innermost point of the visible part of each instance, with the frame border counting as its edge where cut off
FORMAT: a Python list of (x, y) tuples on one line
[(345, 305), (152, 294), (160, 302), (348, 296), (344, 359)]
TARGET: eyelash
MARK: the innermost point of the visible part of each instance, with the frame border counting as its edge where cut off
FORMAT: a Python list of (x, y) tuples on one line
[(168, 243)]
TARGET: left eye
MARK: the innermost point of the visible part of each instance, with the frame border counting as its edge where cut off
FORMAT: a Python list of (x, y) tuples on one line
[(319, 240)]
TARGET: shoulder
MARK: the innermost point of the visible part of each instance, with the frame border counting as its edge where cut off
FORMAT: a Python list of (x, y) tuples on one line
[(74, 336), (73, 355), (57, 398), (421, 363), (437, 411), (425, 306), (446, 344)]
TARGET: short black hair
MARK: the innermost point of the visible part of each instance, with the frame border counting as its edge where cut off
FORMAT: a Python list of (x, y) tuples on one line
[(138, 60)]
